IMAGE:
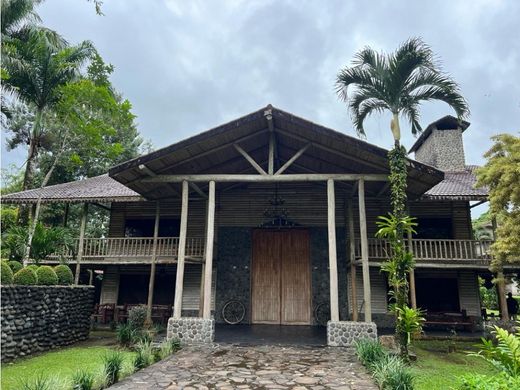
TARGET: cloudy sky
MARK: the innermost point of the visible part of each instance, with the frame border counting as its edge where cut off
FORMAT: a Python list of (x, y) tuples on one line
[(190, 65)]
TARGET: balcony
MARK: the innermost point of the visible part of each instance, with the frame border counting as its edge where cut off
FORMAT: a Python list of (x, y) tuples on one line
[(433, 252), (132, 250)]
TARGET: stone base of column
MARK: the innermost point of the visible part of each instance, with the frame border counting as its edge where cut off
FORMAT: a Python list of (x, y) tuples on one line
[(191, 330), (345, 333)]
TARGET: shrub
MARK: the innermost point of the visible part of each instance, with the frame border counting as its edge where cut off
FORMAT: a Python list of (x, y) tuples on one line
[(7, 273), (126, 335), (391, 373), (15, 266), (137, 317), (489, 382), (34, 267), (82, 380), (145, 355), (46, 276), (65, 276), (369, 351), (112, 363), (41, 382), (25, 277)]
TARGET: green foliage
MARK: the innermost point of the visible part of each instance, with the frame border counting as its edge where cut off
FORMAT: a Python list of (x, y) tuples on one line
[(112, 362), (46, 276), (166, 348), (64, 274), (489, 382), (145, 355), (41, 382), (501, 175), (82, 380), (25, 277), (505, 356), (369, 351), (409, 321), (126, 334), (7, 273), (398, 174), (46, 240), (15, 265), (137, 317), (391, 373), (488, 296), (33, 267)]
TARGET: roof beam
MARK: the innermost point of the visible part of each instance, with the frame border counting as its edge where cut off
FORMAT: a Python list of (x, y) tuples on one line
[(298, 177), (198, 190), (250, 159), (293, 159)]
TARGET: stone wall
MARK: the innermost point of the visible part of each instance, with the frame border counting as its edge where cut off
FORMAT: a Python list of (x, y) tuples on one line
[(345, 333), (39, 318), (191, 330), (443, 149)]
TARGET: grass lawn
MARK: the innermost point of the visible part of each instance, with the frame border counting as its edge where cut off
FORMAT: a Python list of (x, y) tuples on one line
[(61, 364), (436, 369)]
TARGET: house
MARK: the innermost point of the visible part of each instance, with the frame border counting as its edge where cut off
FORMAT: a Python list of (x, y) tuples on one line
[(278, 213)]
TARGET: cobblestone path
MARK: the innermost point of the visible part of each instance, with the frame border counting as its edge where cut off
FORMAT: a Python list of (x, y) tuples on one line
[(225, 366)]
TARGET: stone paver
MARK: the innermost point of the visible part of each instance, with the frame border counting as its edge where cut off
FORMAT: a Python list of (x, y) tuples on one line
[(226, 366)]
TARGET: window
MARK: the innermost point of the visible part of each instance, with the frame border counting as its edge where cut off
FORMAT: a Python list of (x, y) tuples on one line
[(438, 295), (143, 227), (434, 228), (133, 288)]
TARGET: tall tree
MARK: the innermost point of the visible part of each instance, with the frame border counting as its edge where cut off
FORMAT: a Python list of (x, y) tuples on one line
[(502, 175), (36, 72), (397, 82)]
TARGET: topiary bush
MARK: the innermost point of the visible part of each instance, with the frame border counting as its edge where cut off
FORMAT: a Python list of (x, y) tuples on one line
[(65, 276), (15, 266), (46, 276), (7, 273), (34, 267), (25, 277)]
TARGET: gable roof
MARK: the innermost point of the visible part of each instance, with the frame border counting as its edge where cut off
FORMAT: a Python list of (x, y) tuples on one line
[(213, 151), (98, 189), (447, 122), (458, 186)]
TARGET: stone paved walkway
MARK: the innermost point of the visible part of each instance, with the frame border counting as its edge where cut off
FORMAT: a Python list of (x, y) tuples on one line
[(226, 366)]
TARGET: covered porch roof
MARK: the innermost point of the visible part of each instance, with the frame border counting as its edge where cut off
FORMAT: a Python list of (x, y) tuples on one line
[(228, 150)]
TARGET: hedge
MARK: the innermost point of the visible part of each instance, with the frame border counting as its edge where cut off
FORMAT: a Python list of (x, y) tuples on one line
[(7, 273), (25, 277), (46, 276), (65, 276)]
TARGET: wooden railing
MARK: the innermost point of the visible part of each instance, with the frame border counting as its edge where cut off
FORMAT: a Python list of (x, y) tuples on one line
[(132, 247), (435, 250)]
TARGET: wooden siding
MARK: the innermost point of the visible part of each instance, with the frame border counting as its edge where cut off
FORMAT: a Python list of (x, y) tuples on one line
[(192, 279), (306, 204), (378, 290)]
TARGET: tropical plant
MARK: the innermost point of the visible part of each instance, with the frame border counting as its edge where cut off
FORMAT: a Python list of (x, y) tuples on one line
[(144, 356), (46, 276), (82, 380), (369, 351), (25, 277), (126, 334), (7, 273), (410, 321), (397, 82), (391, 373), (500, 381), (505, 355), (64, 274), (112, 364), (40, 382)]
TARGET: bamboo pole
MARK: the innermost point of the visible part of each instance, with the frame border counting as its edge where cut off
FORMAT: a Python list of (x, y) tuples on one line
[(333, 262), (367, 294), (210, 234), (179, 280), (151, 283), (82, 227), (352, 251)]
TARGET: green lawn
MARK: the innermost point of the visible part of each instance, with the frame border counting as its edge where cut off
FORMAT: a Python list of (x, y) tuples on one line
[(436, 369), (62, 363)]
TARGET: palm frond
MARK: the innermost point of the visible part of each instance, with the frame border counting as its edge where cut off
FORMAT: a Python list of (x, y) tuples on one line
[(362, 105)]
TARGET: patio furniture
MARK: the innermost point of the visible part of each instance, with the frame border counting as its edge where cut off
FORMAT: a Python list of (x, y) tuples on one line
[(103, 314)]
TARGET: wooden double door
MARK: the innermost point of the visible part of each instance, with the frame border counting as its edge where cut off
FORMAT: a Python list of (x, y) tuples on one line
[(281, 277)]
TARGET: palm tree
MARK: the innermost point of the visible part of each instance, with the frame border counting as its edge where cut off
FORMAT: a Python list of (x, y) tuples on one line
[(37, 70), (397, 82)]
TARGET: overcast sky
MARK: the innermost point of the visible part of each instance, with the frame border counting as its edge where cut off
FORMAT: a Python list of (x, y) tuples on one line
[(187, 66)]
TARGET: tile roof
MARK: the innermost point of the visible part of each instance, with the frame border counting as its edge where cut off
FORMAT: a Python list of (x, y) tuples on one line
[(458, 185), (102, 189)]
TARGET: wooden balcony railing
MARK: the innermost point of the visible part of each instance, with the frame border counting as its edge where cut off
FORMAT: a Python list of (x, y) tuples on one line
[(132, 248), (433, 250)]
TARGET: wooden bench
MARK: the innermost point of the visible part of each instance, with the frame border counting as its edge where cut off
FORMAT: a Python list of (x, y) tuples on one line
[(451, 319)]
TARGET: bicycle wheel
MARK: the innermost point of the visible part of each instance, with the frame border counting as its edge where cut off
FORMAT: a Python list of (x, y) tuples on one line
[(322, 314), (233, 312)]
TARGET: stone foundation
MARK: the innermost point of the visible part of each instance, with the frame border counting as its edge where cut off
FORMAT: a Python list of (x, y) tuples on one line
[(191, 330), (345, 333)]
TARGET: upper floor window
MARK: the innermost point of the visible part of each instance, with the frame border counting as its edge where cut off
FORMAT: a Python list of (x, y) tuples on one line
[(435, 228)]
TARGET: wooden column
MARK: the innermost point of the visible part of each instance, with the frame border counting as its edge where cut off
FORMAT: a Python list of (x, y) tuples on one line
[(179, 280), (151, 283), (210, 234), (90, 277), (352, 252), (413, 296), (367, 295), (82, 227), (333, 262)]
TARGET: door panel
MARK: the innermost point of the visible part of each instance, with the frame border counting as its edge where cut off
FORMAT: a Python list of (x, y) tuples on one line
[(281, 287)]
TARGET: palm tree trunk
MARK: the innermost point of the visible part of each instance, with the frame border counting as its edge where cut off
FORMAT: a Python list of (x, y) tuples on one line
[(396, 129), (33, 152)]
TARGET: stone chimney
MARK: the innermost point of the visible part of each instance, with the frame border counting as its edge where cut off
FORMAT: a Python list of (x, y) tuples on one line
[(440, 145)]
